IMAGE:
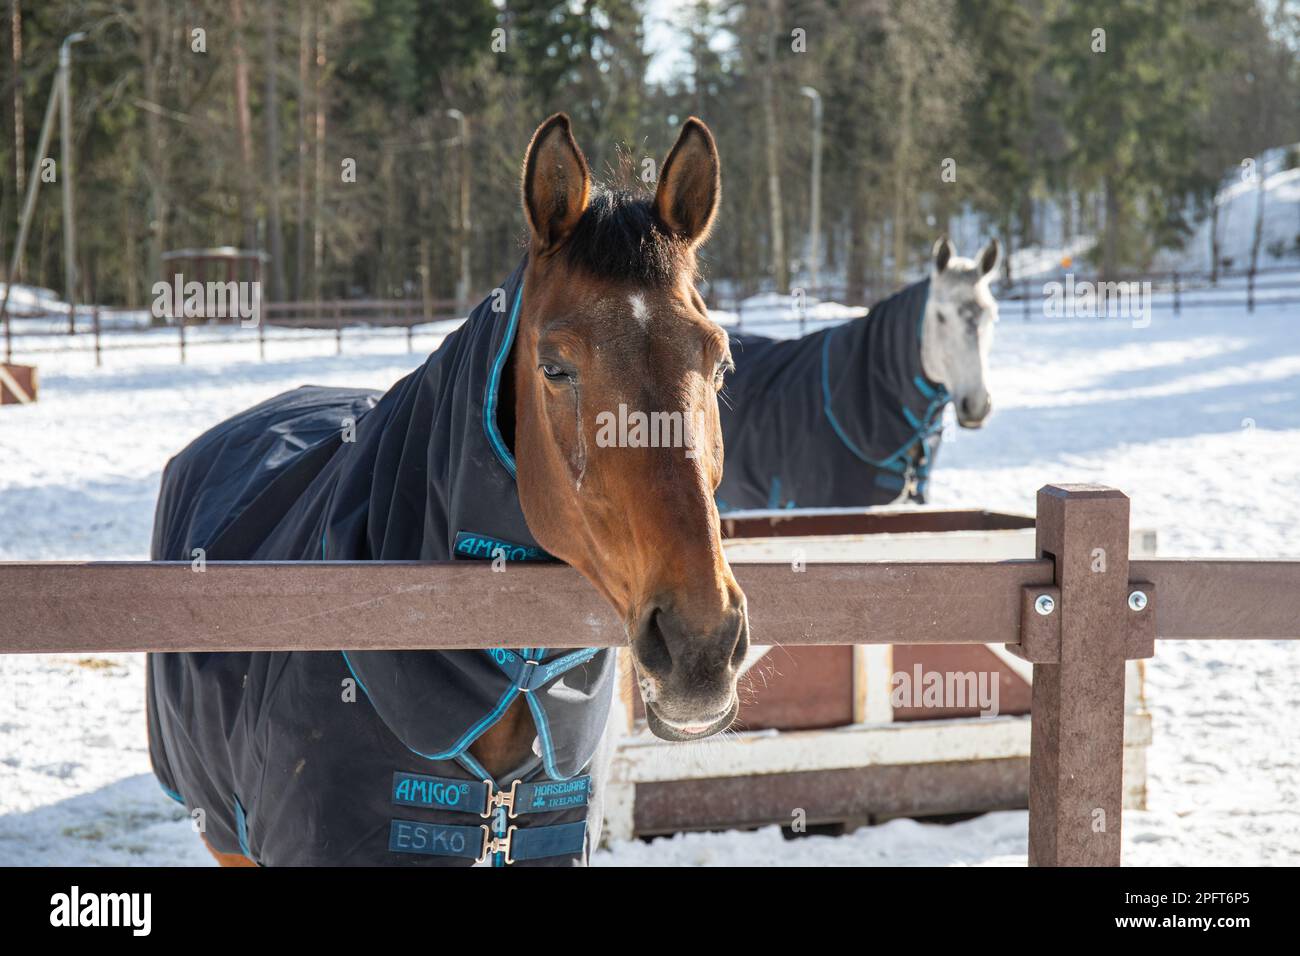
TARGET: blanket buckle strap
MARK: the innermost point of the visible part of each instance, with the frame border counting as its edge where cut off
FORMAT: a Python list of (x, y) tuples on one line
[(496, 844), (500, 798), (526, 675)]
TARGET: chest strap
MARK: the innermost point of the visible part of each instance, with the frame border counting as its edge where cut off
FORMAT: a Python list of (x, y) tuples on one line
[(482, 797), (478, 843), (529, 675)]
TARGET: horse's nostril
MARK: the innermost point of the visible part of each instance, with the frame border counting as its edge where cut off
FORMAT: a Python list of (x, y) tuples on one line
[(742, 644), (976, 411), (651, 647)]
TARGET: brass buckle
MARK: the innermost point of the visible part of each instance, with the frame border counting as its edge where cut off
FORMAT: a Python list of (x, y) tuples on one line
[(500, 798), (492, 844)]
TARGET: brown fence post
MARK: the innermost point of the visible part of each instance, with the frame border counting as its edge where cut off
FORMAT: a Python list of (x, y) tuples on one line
[(1077, 736), (94, 319), (338, 328)]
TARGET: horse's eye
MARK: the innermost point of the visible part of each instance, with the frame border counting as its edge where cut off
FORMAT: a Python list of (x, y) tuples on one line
[(554, 373)]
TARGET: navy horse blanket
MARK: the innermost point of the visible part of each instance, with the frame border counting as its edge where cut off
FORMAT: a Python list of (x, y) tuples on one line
[(842, 417), (363, 757)]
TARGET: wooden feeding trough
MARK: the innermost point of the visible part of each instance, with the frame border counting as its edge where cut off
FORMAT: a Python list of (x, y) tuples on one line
[(18, 384), (849, 734)]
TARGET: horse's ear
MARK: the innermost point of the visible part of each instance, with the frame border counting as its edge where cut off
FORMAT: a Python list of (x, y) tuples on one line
[(556, 184), (942, 252), (988, 257), (690, 184)]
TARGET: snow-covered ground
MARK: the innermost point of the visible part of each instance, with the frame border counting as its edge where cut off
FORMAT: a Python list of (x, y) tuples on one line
[(1239, 208), (1197, 418)]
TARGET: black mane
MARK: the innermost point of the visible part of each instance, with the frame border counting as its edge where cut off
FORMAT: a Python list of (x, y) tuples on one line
[(619, 237)]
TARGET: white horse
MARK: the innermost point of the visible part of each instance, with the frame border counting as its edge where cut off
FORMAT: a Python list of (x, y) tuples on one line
[(851, 416)]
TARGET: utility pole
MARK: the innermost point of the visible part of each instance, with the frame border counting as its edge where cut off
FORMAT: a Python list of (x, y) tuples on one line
[(25, 220), (815, 214), (462, 217), (69, 217)]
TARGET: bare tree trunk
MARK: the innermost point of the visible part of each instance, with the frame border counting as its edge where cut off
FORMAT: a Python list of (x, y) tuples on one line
[(244, 125), (780, 267), (1258, 237), (1110, 237), (131, 253), (272, 110), (463, 287), (902, 157), (1007, 247), (155, 24), (855, 268), (424, 249), (306, 29), (387, 267), (20, 147), (1214, 240), (318, 236)]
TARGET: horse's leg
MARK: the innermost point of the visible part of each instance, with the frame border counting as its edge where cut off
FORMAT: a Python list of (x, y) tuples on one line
[(509, 742), (227, 859)]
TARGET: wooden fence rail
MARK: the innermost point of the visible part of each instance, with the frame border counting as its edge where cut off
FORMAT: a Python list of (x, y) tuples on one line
[(1077, 612)]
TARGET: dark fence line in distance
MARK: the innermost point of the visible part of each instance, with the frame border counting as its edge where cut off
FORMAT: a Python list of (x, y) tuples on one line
[(331, 319), (1170, 291), (1172, 287)]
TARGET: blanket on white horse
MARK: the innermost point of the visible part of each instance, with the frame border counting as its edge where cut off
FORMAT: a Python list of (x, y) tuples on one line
[(841, 417)]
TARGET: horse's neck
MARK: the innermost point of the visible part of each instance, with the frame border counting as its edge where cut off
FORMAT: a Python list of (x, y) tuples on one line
[(508, 744), (884, 346)]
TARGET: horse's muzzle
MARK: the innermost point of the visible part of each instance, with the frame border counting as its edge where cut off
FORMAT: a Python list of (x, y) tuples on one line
[(688, 675), (973, 411)]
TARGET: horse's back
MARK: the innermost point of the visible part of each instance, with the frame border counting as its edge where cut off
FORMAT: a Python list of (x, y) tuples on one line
[(771, 414), (253, 465), (224, 493)]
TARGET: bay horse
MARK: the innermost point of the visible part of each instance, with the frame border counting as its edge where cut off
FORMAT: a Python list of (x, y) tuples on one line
[(488, 452), (851, 416)]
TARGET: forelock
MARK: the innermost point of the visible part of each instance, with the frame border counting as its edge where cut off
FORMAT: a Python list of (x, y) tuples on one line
[(620, 238)]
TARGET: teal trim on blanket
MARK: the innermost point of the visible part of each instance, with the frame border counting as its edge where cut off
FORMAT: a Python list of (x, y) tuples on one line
[(494, 384)]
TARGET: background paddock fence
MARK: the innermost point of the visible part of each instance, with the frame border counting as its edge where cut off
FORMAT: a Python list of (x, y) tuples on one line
[(1171, 292), (100, 329), (1078, 650)]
